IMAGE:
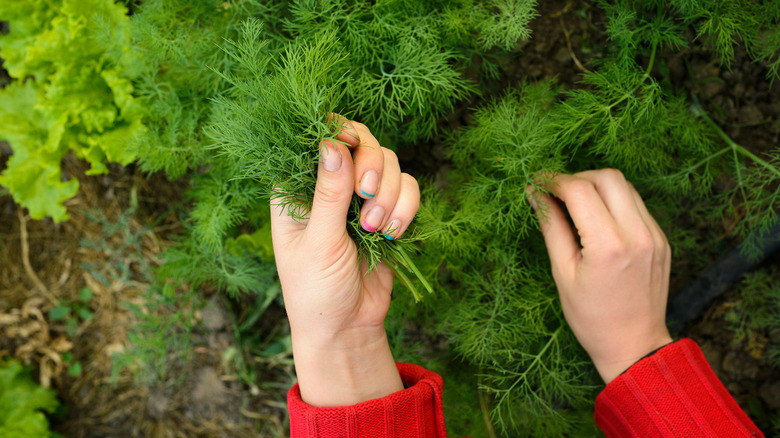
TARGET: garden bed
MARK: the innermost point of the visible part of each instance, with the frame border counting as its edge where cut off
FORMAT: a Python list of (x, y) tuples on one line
[(226, 381)]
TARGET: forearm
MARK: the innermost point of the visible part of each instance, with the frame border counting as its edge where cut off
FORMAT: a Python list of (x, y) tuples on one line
[(345, 370)]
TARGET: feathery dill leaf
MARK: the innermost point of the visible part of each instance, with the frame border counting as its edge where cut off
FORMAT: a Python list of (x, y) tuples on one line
[(531, 368), (176, 80), (269, 126)]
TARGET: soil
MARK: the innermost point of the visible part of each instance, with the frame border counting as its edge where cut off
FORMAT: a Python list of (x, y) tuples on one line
[(213, 401), (743, 367)]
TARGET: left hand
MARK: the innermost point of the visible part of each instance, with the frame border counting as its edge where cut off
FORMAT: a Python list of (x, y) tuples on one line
[(336, 309), (612, 271)]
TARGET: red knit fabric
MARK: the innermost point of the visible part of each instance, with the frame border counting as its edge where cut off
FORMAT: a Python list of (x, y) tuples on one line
[(672, 393), (415, 412)]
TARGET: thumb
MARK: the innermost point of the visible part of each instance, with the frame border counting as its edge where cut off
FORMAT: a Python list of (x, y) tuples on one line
[(334, 189)]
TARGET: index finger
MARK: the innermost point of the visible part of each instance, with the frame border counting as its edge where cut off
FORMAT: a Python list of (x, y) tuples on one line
[(562, 246), (590, 215), (347, 132)]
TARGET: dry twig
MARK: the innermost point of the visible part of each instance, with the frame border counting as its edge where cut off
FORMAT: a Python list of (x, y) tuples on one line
[(571, 51), (26, 260)]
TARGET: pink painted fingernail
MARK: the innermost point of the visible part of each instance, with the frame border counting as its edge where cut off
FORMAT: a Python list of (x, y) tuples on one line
[(373, 219), (330, 157)]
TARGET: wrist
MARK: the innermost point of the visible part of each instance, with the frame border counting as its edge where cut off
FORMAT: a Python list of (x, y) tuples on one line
[(346, 368), (611, 368)]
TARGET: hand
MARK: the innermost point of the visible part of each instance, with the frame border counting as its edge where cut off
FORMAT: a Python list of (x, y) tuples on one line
[(614, 283), (336, 310)]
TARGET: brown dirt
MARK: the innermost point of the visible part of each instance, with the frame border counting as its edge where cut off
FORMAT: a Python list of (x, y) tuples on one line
[(211, 402), (742, 366)]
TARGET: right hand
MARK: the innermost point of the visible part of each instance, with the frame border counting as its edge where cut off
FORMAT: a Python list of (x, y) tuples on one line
[(337, 308), (614, 283)]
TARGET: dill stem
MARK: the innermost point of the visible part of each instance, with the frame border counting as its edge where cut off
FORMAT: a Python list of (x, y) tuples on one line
[(398, 272), (651, 61), (645, 76), (698, 110), (485, 408), (537, 359), (412, 267)]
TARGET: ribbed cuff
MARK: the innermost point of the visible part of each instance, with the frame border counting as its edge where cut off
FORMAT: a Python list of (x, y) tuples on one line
[(412, 412), (672, 393)]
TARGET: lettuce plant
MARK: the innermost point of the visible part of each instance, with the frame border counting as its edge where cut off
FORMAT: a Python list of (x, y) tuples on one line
[(73, 92), (23, 403)]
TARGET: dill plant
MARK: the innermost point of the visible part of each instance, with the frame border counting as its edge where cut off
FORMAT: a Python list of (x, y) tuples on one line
[(237, 96), (271, 122), (398, 70), (404, 59), (503, 315), (676, 148), (179, 44)]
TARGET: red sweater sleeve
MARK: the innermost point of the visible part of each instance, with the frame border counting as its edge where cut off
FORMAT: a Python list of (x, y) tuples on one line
[(414, 412), (672, 393)]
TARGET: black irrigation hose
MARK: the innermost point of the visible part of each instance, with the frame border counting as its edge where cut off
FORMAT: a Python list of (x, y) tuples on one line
[(689, 302)]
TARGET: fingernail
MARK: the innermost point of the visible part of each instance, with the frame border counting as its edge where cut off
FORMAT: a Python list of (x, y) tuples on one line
[(369, 183), (392, 229), (532, 201), (330, 157), (373, 219), (530, 190)]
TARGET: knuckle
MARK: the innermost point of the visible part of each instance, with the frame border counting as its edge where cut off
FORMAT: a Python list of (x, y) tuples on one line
[(410, 181), (644, 244), (389, 155), (617, 248), (579, 187), (616, 251), (613, 174), (327, 194)]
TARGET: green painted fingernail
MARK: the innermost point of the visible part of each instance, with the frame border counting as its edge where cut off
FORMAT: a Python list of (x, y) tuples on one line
[(369, 183)]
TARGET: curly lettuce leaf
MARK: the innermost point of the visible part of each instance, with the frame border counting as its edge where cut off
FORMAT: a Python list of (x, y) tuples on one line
[(22, 402), (33, 175), (74, 92)]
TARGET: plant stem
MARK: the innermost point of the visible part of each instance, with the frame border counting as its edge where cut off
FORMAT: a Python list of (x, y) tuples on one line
[(412, 267), (645, 76), (699, 111), (652, 60), (398, 272), (485, 408)]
